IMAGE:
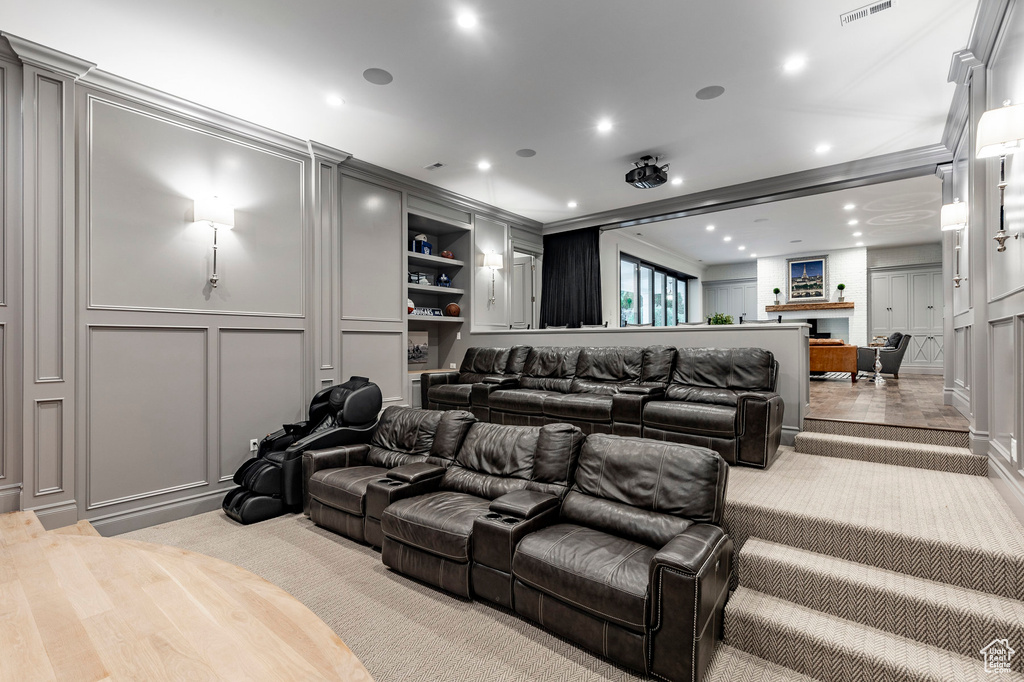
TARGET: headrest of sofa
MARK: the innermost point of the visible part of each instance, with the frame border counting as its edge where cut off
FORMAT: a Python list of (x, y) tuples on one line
[(558, 451), (499, 450), (405, 429), (451, 432), (658, 361), (516, 359), (479, 360), (744, 369), (617, 363), (666, 478), (551, 362)]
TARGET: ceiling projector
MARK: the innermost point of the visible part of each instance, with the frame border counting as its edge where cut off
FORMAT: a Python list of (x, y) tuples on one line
[(647, 173)]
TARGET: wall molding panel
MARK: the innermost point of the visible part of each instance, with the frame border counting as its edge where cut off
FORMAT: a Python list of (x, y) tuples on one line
[(48, 444)]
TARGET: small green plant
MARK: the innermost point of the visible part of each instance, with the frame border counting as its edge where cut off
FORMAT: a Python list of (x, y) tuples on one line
[(720, 318), (776, 291), (840, 286)]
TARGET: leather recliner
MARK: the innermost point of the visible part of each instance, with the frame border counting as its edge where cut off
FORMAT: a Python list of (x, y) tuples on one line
[(270, 484), (547, 372), (518, 473), (483, 370), (637, 567), (723, 399), (407, 445)]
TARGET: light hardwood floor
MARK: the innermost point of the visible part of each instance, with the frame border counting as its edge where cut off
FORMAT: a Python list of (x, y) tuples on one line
[(75, 606)]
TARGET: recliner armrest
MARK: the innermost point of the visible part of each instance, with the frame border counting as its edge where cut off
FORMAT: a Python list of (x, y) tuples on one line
[(334, 458), (758, 427), (414, 473), (524, 504), (689, 581), (653, 390), (502, 381), (428, 379), (628, 403)]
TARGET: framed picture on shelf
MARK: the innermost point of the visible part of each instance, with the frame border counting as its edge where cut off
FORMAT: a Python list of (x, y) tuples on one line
[(419, 348), (807, 279)]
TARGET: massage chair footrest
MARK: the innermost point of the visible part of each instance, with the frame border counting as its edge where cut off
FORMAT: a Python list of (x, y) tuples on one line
[(248, 507)]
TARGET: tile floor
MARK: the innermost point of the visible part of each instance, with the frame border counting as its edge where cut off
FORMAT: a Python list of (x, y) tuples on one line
[(911, 400)]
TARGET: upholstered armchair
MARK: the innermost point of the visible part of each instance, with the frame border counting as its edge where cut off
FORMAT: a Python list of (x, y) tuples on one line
[(891, 355)]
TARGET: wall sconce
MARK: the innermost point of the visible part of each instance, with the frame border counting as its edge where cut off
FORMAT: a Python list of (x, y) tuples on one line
[(1000, 132), (494, 261), (218, 213), (954, 217)]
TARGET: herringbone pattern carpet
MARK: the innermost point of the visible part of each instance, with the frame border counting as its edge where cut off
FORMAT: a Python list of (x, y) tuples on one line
[(897, 453), (908, 434)]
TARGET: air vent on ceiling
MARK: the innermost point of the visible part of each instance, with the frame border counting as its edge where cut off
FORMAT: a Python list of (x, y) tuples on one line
[(434, 166), (866, 11)]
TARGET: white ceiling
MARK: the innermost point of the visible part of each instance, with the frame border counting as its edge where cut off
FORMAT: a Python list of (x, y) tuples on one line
[(539, 75), (887, 214)]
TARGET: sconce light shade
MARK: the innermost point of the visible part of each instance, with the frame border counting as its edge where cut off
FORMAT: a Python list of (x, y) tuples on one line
[(954, 216), (214, 210), (493, 261), (1000, 131)]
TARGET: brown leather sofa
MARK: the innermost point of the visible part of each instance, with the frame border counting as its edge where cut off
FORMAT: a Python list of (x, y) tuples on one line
[(723, 399), (482, 370), (637, 567), (412, 446), (832, 355)]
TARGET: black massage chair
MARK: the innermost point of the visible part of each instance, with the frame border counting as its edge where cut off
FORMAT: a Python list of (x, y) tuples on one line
[(270, 483)]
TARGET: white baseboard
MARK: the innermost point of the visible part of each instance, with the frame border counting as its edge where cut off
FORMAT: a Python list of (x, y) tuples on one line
[(154, 514)]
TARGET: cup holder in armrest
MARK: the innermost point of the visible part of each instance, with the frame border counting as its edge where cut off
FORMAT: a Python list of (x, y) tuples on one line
[(492, 515), (510, 520), (385, 481)]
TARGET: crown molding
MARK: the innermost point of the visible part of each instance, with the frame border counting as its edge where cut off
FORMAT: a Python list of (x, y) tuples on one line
[(105, 82), (988, 22), (323, 153), (48, 58), (960, 67), (888, 167), (439, 193), (956, 119)]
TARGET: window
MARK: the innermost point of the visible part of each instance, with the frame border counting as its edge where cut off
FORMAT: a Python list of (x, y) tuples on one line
[(650, 295)]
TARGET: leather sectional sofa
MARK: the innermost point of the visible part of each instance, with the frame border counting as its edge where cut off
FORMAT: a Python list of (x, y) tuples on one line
[(722, 399), (612, 542)]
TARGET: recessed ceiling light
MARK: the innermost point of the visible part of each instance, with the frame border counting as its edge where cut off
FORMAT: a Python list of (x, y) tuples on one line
[(484, 165), (853, 222), (572, 204), (795, 64), (857, 234), (859, 244), (526, 153), (677, 181), (743, 248), (335, 100), (604, 125), (378, 76), (710, 228), (849, 207), (753, 255), (823, 148), (726, 239), (466, 20), (710, 92)]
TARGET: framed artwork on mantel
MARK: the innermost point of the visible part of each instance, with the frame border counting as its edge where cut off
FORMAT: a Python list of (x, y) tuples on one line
[(807, 278)]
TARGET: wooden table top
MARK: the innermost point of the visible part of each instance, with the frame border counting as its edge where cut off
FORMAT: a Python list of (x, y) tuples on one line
[(80, 607)]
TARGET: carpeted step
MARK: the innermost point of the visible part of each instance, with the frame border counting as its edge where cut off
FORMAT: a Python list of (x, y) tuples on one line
[(917, 455), (906, 434), (935, 525), (733, 665), (838, 650), (949, 617)]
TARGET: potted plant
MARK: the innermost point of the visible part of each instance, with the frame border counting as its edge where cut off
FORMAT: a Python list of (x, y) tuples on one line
[(720, 318), (776, 291), (841, 286)]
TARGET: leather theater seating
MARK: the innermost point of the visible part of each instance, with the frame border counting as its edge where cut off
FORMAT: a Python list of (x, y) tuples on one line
[(723, 399), (613, 542)]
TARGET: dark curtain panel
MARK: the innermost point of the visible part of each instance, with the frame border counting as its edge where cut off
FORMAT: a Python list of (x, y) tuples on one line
[(571, 279)]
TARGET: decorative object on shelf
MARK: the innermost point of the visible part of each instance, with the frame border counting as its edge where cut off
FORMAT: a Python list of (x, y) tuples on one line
[(410, 304), (447, 254), (421, 245), (1000, 133), (776, 291), (841, 287), (807, 277), (444, 280), (495, 262), (218, 213), (420, 278), (426, 312), (720, 318), (419, 348), (452, 310)]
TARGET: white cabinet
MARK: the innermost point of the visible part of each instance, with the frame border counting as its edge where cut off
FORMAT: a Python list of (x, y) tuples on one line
[(736, 297), (909, 301)]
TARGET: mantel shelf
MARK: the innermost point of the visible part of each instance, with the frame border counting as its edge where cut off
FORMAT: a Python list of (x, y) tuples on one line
[(796, 307)]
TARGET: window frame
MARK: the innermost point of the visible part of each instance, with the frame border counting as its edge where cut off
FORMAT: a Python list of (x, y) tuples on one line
[(646, 299)]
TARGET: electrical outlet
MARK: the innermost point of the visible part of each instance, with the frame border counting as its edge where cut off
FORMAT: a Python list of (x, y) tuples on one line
[(451, 365), (458, 336), (254, 444)]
